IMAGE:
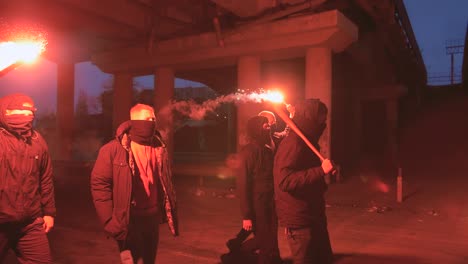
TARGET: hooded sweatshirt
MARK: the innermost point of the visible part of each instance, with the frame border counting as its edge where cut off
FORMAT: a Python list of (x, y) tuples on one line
[(297, 171), (254, 175), (26, 185)]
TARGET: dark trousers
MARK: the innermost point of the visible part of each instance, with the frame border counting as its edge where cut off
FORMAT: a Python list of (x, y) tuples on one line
[(265, 238), (141, 244), (266, 228), (310, 245), (27, 239)]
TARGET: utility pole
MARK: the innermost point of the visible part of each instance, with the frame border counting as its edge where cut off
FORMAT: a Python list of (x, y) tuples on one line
[(453, 47)]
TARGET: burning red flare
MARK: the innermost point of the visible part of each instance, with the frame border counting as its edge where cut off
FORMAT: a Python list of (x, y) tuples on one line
[(19, 52), (270, 96), (20, 43)]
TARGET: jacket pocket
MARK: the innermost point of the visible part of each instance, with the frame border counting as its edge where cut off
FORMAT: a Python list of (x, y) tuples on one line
[(115, 229)]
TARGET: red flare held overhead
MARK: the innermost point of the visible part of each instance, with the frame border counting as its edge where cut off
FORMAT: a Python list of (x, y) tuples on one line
[(15, 53)]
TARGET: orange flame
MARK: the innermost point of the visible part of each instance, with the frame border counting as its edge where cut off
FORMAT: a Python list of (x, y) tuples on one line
[(13, 52), (272, 96)]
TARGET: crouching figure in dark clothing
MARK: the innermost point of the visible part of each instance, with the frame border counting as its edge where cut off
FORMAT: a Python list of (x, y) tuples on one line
[(27, 203), (132, 189), (256, 194), (300, 187)]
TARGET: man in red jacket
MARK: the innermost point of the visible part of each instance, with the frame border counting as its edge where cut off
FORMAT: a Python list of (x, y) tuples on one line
[(131, 185), (27, 204)]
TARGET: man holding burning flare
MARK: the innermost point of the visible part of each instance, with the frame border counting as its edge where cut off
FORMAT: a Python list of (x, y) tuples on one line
[(300, 185), (27, 204)]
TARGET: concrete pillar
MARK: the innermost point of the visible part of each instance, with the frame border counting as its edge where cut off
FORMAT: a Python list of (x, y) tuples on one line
[(357, 131), (65, 110), (163, 94), (318, 84), (392, 127), (248, 78), (122, 101)]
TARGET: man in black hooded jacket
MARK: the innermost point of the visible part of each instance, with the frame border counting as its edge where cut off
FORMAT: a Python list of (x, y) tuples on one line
[(27, 204), (300, 187), (255, 190)]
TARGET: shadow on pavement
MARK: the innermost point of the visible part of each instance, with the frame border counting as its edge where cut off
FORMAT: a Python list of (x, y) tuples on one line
[(380, 259)]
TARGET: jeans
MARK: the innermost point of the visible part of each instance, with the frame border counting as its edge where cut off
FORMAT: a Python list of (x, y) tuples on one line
[(27, 239), (310, 245)]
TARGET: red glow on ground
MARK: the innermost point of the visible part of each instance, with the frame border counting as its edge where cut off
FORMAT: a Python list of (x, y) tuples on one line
[(381, 186)]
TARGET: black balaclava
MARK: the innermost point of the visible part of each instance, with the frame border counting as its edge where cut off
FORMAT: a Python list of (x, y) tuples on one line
[(255, 130), (270, 115), (273, 128), (142, 131), (19, 125)]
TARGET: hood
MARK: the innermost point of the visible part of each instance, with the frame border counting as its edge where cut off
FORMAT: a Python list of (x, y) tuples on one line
[(123, 129), (255, 130), (310, 117), (11, 102)]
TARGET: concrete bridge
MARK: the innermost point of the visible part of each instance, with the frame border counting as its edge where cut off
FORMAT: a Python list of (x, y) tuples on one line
[(360, 57)]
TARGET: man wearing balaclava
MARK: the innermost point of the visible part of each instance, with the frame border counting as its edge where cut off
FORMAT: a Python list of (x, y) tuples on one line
[(255, 190), (27, 203), (132, 189), (277, 136), (300, 187)]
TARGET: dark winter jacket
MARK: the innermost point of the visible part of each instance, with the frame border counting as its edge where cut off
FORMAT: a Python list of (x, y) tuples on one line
[(26, 181), (299, 182), (254, 177), (111, 184)]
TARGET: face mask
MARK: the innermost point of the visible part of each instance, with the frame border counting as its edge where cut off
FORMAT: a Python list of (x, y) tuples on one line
[(142, 131), (266, 136), (20, 124)]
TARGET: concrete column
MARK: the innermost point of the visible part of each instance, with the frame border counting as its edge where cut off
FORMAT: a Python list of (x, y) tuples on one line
[(122, 101), (248, 78), (357, 131), (318, 84), (392, 127), (163, 94), (65, 110)]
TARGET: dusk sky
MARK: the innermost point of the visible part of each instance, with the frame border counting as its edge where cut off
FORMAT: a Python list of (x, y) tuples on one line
[(434, 22)]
